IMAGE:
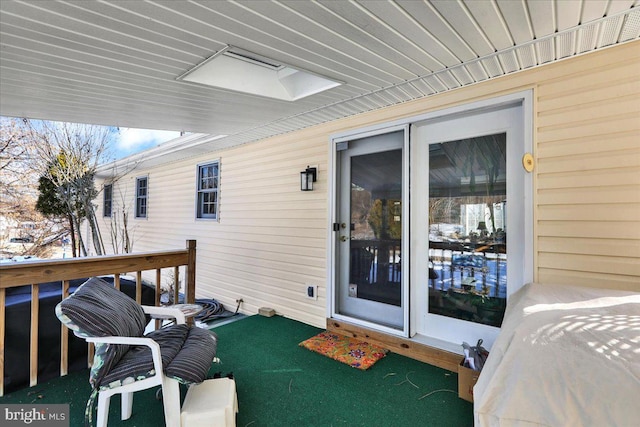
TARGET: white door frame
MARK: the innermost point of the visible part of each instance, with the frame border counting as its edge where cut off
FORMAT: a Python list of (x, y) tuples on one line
[(525, 98), (507, 119), (334, 236)]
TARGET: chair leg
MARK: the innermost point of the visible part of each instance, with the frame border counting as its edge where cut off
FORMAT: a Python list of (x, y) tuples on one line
[(104, 398), (171, 402), (126, 406)]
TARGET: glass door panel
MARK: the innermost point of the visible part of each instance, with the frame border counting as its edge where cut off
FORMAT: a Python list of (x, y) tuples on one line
[(468, 252), (376, 227), (468, 229), (370, 286)]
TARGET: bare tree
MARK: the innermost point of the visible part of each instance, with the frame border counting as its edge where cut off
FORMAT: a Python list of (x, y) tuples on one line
[(14, 164), (68, 154), (121, 234), (33, 233)]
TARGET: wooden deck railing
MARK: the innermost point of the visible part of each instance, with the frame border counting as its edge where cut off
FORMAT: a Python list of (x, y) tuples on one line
[(34, 273)]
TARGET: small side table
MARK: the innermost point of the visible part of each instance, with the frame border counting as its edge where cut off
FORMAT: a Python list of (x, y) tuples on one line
[(189, 311)]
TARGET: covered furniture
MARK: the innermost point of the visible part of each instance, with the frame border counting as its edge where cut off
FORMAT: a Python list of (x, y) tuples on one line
[(565, 356), (125, 359)]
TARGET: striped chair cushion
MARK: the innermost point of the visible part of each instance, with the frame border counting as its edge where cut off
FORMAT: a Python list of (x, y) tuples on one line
[(187, 353), (97, 309)]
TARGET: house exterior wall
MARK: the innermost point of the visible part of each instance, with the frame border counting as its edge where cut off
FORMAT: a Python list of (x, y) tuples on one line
[(270, 241)]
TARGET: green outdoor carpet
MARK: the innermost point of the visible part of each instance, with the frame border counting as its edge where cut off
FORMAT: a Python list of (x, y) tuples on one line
[(280, 383)]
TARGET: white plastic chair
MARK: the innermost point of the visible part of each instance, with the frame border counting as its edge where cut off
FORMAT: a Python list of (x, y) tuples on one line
[(115, 323), (170, 386)]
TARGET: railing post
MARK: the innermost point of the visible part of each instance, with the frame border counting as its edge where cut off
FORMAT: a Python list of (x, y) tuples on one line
[(35, 312), (2, 334), (190, 287)]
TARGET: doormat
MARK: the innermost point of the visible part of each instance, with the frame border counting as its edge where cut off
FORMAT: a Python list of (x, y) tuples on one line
[(350, 351)]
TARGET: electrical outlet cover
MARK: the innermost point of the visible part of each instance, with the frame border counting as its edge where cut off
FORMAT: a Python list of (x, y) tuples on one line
[(312, 292)]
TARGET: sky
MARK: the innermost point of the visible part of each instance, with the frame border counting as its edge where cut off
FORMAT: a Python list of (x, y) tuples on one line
[(130, 140)]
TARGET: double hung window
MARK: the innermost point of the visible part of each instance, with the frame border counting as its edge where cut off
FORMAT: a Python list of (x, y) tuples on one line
[(207, 190), (142, 192), (107, 200)]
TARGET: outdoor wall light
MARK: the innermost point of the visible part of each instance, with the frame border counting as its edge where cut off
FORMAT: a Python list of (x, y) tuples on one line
[(307, 178)]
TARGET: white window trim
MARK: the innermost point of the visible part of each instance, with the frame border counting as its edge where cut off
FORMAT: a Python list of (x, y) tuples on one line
[(199, 217), (137, 197), (104, 201)]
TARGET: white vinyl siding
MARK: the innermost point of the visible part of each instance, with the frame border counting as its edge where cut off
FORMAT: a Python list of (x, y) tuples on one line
[(270, 241)]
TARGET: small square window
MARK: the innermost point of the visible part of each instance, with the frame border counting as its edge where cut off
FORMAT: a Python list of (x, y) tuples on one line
[(207, 191), (142, 190)]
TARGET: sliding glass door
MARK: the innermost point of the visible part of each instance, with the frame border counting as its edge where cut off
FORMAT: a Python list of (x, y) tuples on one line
[(469, 210)]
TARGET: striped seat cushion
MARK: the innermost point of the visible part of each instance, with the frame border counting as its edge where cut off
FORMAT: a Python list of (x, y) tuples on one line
[(187, 353), (97, 309)]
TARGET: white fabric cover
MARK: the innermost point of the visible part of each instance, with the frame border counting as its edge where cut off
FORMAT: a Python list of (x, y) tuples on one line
[(566, 356)]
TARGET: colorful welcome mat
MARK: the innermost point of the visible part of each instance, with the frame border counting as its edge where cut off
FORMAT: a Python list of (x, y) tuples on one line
[(358, 354)]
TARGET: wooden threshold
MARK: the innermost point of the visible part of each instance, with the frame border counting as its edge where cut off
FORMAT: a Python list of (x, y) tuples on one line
[(406, 347)]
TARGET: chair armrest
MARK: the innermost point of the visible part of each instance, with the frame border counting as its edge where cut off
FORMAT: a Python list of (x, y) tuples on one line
[(165, 313), (154, 346)]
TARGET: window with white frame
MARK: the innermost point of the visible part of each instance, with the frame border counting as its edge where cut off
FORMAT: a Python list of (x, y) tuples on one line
[(107, 200), (207, 190), (142, 192)]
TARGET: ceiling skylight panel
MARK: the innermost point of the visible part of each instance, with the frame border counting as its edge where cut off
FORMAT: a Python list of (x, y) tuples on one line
[(243, 71)]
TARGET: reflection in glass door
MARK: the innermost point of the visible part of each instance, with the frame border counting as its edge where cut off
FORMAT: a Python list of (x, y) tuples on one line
[(376, 227), (468, 229), (469, 194)]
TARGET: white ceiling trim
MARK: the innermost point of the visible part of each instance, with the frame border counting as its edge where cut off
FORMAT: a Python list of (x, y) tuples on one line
[(538, 52), (115, 62), (507, 61)]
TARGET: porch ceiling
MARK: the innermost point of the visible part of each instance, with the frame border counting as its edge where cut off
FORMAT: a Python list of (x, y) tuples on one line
[(116, 62)]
